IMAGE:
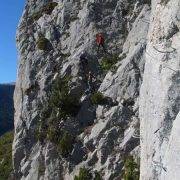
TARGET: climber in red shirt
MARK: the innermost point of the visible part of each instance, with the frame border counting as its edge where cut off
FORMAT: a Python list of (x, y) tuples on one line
[(100, 41)]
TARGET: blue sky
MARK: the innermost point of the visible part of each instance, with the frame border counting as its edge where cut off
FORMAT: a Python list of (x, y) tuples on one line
[(10, 13)]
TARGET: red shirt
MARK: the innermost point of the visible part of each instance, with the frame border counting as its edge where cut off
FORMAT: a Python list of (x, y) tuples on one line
[(99, 39)]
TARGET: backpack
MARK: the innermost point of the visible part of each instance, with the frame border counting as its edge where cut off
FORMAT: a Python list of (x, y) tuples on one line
[(99, 39)]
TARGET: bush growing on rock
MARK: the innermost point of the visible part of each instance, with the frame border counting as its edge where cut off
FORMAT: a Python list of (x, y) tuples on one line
[(41, 132), (41, 169), (62, 139), (36, 16), (84, 174), (53, 134), (58, 107), (46, 9), (42, 126), (131, 169), (98, 98), (65, 144), (109, 61), (43, 43), (164, 1), (63, 104), (97, 176)]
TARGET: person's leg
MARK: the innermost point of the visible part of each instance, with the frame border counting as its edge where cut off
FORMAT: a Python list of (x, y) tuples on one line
[(92, 87), (98, 48), (103, 46)]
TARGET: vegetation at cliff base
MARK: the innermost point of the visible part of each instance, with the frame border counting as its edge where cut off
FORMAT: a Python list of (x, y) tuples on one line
[(6, 155)]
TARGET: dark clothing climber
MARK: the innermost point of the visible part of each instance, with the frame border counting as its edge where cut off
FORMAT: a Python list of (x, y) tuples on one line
[(100, 41), (84, 66), (90, 83), (83, 59)]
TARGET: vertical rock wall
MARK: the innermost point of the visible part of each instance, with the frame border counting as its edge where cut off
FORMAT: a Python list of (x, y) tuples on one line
[(159, 96)]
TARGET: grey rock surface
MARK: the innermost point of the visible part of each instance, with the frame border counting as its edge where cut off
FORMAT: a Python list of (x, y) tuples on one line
[(141, 89), (159, 96)]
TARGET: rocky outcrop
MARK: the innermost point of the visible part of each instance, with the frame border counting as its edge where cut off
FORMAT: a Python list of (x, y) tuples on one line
[(60, 126), (103, 141), (6, 108)]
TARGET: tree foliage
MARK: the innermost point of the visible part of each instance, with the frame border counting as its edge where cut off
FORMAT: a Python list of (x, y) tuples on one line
[(6, 155)]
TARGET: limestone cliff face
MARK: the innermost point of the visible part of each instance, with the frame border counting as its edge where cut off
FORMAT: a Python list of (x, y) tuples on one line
[(50, 39), (159, 96)]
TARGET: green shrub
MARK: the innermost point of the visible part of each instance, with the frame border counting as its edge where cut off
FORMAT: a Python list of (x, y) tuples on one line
[(43, 125), (46, 111), (65, 144), (97, 176), (61, 101), (108, 62), (84, 174), (40, 133), (54, 134), (43, 43), (59, 106), (41, 169), (131, 169), (148, 2), (164, 2), (6, 155), (98, 98), (46, 9), (36, 16)]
